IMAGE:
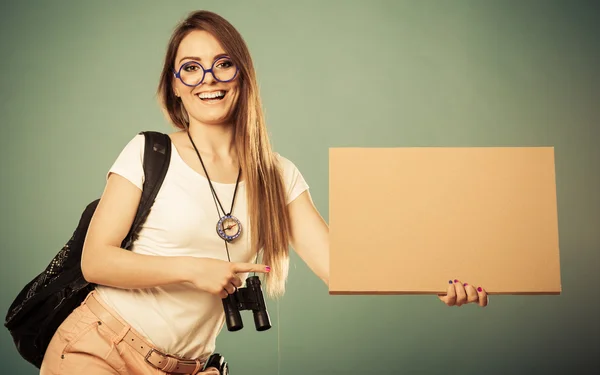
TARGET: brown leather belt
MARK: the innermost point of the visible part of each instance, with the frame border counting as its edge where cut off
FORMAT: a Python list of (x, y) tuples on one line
[(161, 361)]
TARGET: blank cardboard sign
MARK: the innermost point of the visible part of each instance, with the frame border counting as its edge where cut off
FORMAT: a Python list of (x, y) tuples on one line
[(408, 220)]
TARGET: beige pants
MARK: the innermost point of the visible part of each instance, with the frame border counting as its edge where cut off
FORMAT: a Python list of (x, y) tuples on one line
[(83, 345)]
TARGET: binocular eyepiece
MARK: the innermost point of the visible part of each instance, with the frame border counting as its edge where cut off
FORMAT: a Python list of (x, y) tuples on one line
[(248, 298)]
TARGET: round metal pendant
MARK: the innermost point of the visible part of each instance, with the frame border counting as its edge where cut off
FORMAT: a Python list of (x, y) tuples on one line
[(229, 228)]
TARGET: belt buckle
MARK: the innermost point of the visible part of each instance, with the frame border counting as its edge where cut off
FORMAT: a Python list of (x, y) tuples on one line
[(180, 361), (150, 353)]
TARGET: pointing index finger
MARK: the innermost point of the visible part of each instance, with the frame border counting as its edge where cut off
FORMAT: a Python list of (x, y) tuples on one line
[(250, 267)]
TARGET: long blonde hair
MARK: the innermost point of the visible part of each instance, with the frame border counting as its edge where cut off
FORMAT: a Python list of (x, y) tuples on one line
[(265, 192)]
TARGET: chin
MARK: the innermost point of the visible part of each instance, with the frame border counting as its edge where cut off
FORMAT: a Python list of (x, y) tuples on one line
[(215, 113), (216, 119), (214, 122)]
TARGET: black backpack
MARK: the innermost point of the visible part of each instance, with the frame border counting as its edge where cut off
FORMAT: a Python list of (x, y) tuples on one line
[(45, 302)]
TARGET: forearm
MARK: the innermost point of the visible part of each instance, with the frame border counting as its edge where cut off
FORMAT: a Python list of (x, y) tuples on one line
[(321, 268), (316, 256), (322, 271), (310, 236), (313, 247), (116, 267)]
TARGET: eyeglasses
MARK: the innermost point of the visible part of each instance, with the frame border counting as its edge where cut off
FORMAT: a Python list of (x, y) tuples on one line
[(192, 73)]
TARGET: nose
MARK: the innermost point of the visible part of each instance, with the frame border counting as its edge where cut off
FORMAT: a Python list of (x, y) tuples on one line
[(209, 77)]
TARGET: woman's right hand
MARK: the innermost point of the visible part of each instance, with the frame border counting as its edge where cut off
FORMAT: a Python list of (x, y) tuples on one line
[(217, 276), (210, 371)]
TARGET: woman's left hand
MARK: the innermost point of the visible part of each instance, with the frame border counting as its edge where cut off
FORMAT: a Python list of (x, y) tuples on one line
[(459, 294)]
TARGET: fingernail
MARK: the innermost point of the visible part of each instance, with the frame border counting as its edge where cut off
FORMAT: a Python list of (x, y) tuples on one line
[(268, 268), (465, 284), (455, 280), (479, 289), (450, 282)]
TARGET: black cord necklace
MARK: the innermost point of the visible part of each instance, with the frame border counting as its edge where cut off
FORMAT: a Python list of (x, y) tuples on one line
[(228, 226)]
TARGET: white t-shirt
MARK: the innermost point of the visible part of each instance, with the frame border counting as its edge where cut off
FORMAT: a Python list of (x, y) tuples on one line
[(180, 319)]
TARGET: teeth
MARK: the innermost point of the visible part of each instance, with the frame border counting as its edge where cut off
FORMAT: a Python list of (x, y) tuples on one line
[(211, 95)]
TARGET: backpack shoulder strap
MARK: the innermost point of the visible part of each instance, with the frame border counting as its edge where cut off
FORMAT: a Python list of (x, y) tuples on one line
[(157, 156)]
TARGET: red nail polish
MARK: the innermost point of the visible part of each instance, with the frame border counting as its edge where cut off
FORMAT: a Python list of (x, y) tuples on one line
[(479, 289), (466, 284), (268, 268), (455, 280)]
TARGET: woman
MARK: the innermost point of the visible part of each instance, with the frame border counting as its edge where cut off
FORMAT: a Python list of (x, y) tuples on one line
[(157, 309)]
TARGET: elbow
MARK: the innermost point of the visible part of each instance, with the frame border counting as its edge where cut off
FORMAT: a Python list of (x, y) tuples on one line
[(88, 270)]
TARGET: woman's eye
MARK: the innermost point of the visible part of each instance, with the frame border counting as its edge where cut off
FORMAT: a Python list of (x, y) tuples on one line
[(224, 64)]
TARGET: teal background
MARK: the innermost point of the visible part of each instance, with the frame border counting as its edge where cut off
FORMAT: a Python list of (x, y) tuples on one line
[(78, 80)]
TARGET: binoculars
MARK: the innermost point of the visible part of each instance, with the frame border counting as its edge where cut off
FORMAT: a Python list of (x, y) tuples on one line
[(248, 298), (217, 361)]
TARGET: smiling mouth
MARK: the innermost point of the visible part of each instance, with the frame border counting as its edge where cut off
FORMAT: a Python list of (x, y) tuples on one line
[(213, 96)]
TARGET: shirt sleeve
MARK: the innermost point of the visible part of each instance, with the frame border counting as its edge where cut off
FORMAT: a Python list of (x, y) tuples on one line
[(129, 163), (294, 182)]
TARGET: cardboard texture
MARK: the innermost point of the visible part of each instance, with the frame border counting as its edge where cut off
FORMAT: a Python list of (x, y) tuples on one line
[(408, 220)]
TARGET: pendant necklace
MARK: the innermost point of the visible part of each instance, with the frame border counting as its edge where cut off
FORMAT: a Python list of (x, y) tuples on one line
[(228, 226)]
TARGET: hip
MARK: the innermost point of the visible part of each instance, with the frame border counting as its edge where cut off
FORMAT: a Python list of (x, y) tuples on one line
[(175, 318)]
